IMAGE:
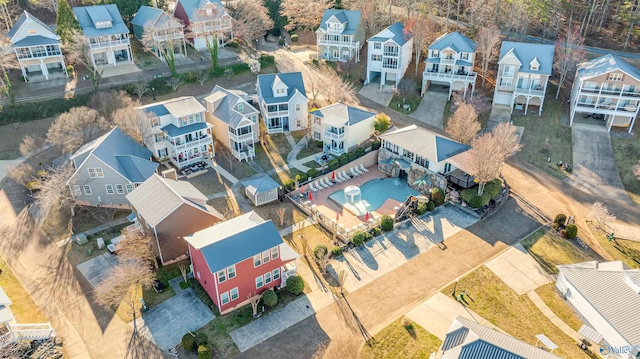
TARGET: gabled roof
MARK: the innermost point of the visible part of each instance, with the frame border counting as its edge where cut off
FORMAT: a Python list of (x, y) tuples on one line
[(154, 17), (224, 102), (425, 143), (35, 40), (396, 34), (177, 107), (24, 20), (467, 339), (88, 15), (525, 53), (260, 185), (603, 286), (339, 115), (157, 198), (605, 64), (351, 17), (454, 40), (293, 80), (173, 130), (120, 152), (190, 6), (235, 240)]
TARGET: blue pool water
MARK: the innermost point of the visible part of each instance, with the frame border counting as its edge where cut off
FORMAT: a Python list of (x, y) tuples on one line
[(374, 193)]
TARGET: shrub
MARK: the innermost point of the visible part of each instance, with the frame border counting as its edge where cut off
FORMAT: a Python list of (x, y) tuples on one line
[(41, 109), (563, 233), (336, 251), (294, 37), (276, 31), (160, 86), (375, 231), (312, 173), (188, 342), (351, 156), (437, 196), (382, 123), (555, 226), (189, 77), (317, 248), (358, 239), (319, 144), (431, 206), (367, 236), (184, 285), (360, 152), (267, 61), (204, 352), (560, 219), (343, 159), (571, 231), (69, 69), (270, 298), (281, 42), (201, 339), (200, 292), (301, 177), (290, 184), (386, 223), (375, 145), (295, 285), (421, 209), (333, 164)]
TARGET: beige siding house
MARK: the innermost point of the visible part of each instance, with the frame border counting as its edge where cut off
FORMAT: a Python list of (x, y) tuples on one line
[(449, 62), (341, 127)]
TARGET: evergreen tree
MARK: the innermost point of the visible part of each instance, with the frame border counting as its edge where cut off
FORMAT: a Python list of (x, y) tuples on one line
[(66, 22), (128, 7)]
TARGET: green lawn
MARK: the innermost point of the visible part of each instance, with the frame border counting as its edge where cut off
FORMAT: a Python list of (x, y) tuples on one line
[(621, 250), (398, 341), (209, 182), (540, 128), (627, 154), (549, 250), (238, 169), (558, 306), (163, 274), (297, 135), (516, 315), (312, 164), (309, 150), (397, 104), (283, 176), (274, 153)]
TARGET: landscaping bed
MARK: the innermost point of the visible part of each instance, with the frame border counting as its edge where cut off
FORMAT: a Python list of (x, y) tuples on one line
[(491, 190), (397, 104), (400, 341)]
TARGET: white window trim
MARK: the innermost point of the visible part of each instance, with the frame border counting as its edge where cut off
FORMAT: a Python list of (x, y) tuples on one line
[(265, 257), (89, 192), (129, 187), (119, 189), (222, 297), (107, 186), (259, 260), (224, 276), (268, 278), (231, 269), (261, 281), (231, 294), (99, 172), (92, 170), (276, 272), (76, 190), (274, 253)]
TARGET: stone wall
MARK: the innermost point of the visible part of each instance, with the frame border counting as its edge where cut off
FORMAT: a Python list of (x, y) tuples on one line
[(414, 173)]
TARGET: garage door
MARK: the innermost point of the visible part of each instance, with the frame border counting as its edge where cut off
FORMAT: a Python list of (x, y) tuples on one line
[(502, 98)]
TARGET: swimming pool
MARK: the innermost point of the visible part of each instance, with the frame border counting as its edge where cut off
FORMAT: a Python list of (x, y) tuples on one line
[(374, 194)]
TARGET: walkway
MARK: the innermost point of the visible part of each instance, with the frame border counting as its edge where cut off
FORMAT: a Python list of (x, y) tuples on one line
[(499, 113), (519, 270), (373, 92), (535, 298)]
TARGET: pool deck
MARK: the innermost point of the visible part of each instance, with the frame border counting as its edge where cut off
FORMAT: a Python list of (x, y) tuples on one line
[(329, 208)]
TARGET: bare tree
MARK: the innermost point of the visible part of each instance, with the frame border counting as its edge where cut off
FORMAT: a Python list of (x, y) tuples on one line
[(122, 285), (302, 14), (406, 88), (281, 212), (8, 62), (507, 139), (569, 53), (137, 246), (50, 5), (486, 160), (346, 67), (23, 174), (488, 40), (183, 270), (102, 214), (140, 88), (250, 20), (226, 153), (108, 102), (75, 128), (29, 144), (423, 30), (342, 278), (254, 299), (479, 102), (322, 258), (135, 123), (174, 82), (373, 18), (162, 39), (54, 190), (600, 213), (335, 89), (463, 126), (78, 52), (9, 10)]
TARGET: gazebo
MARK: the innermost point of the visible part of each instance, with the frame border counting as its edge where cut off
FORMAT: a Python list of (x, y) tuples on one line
[(261, 190)]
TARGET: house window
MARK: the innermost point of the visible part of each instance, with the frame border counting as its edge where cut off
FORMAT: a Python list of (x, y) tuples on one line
[(508, 72), (464, 56), (254, 119), (265, 257), (257, 261), (76, 190), (197, 272), (280, 91), (222, 276), (99, 172), (506, 82), (297, 107), (240, 107), (447, 167), (129, 187), (615, 76), (375, 57), (377, 45), (534, 67), (234, 293), (224, 298), (276, 274), (109, 188), (434, 53), (87, 190), (119, 189), (274, 253), (92, 172), (259, 282), (267, 278)]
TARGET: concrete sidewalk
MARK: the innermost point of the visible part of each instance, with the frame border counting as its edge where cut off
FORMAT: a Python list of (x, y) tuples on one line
[(519, 270), (535, 298)]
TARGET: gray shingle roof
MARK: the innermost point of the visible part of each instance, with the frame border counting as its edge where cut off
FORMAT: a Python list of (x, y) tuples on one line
[(338, 115), (455, 40), (293, 80), (190, 6), (113, 148), (88, 15), (260, 185), (425, 143), (24, 18), (467, 339), (35, 40), (397, 34), (605, 64), (525, 52), (351, 17), (235, 240), (225, 109), (605, 289)]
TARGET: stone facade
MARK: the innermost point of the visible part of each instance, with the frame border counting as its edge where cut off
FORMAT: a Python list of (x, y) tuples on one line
[(391, 164)]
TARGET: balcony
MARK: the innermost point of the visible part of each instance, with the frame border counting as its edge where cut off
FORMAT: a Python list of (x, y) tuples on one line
[(607, 108), (186, 161), (610, 93), (391, 53), (393, 66), (241, 138), (333, 135), (165, 37), (182, 145), (277, 113), (39, 54), (447, 61), (467, 77), (244, 154), (108, 43), (535, 91)]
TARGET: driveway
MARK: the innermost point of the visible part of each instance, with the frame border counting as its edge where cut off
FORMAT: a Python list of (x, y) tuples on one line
[(389, 251), (165, 324), (98, 268), (431, 108), (373, 92), (594, 166), (499, 113), (519, 270)]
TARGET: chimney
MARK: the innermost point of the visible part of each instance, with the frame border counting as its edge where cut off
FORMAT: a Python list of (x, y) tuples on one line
[(170, 174)]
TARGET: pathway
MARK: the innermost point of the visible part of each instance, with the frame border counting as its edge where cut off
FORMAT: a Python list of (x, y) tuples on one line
[(499, 113), (519, 270), (94, 230), (535, 298)]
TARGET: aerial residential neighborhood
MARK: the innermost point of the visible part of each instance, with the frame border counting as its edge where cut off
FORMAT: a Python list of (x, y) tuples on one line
[(319, 179)]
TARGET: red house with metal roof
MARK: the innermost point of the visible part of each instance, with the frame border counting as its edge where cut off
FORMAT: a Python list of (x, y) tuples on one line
[(238, 258)]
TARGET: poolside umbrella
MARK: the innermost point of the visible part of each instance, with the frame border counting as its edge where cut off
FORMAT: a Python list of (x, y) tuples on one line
[(310, 196), (302, 190), (333, 175), (366, 217)]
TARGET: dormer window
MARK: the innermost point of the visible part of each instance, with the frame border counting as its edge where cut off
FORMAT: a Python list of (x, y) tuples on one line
[(280, 91), (103, 24), (209, 12), (534, 67), (534, 64), (240, 107), (615, 76)]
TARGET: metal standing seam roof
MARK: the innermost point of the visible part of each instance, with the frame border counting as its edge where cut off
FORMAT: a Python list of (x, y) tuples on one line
[(225, 109), (425, 143), (26, 17), (177, 107), (293, 80), (455, 40), (351, 17), (260, 185), (605, 289), (173, 130), (397, 34), (525, 53), (605, 64), (34, 41), (88, 15), (190, 6), (467, 339), (339, 114), (137, 169)]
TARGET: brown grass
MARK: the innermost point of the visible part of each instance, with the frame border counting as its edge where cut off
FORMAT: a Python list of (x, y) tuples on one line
[(23, 308), (11, 136), (620, 249), (558, 306), (399, 341), (548, 249), (292, 213)]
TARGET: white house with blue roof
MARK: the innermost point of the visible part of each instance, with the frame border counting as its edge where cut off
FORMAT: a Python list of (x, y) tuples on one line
[(283, 100), (609, 87), (206, 20), (389, 55), (449, 62), (182, 134), (37, 48), (341, 127), (108, 168), (340, 35), (523, 73), (167, 32), (106, 33), (235, 121), (262, 190)]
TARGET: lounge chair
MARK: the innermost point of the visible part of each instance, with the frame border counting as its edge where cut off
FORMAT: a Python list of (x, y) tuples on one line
[(345, 175), (328, 182), (341, 177), (353, 172), (312, 188), (337, 178), (363, 168), (319, 185)]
